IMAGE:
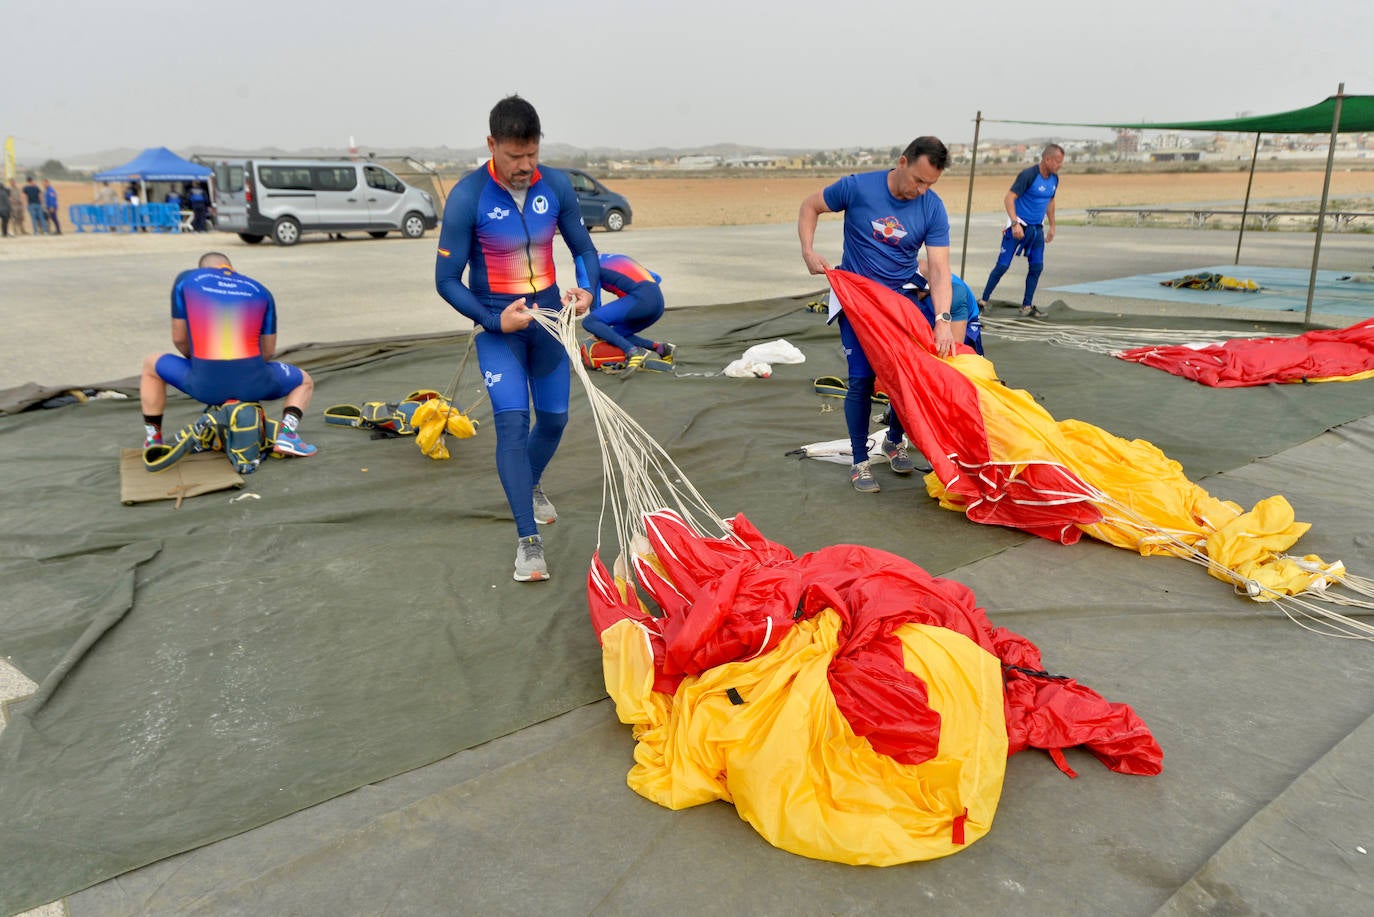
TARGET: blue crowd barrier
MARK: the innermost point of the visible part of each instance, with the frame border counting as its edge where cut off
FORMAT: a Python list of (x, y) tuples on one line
[(125, 217)]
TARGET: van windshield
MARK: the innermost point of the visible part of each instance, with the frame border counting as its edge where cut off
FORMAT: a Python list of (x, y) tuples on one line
[(383, 180)]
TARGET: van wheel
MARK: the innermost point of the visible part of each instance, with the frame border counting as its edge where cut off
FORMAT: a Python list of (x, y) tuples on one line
[(378, 234), (251, 238), (286, 231), (413, 225), (615, 221)]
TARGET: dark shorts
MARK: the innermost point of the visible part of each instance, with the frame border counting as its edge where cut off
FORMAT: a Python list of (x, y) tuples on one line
[(215, 382)]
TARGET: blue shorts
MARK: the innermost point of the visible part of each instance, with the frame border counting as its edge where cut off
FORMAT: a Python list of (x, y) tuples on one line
[(218, 381), (524, 364)]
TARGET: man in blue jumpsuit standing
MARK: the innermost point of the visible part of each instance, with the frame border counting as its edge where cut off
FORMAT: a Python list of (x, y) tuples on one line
[(888, 216), (499, 225), (1030, 225)]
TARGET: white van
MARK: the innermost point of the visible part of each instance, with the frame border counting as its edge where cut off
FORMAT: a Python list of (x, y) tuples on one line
[(283, 198)]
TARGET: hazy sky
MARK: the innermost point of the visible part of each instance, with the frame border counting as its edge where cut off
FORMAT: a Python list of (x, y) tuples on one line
[(89, 75)]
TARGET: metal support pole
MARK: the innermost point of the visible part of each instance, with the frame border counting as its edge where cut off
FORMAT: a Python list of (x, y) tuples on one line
[(1244, 211), (968, 207), (1321, 215)]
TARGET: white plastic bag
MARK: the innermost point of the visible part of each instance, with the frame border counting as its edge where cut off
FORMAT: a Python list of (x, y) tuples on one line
[(779, 351)]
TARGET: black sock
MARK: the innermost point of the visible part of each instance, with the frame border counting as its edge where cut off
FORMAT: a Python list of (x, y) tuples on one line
[(153, 419)]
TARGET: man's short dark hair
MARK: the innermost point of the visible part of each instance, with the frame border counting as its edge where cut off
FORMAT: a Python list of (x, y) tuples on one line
[(1052, 148), (215, 259), (514, 119), (935, 152)]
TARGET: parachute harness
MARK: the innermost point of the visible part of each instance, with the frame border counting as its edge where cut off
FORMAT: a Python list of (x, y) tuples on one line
[(436, 418)]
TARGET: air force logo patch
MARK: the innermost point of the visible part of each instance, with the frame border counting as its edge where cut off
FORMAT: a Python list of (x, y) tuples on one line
[(498, 213), (491, 378), (889, 230)]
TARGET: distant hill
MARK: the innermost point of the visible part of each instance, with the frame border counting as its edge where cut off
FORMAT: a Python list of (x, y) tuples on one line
[(553, 152)]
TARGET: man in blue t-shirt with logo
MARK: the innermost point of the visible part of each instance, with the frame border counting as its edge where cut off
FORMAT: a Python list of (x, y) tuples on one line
[(1030, 225), (888, 216)]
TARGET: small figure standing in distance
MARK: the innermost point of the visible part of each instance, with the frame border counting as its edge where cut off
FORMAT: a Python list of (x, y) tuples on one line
[(1030, 225)]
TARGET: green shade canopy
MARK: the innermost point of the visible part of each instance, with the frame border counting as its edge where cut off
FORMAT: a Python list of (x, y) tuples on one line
[(1357, 116)]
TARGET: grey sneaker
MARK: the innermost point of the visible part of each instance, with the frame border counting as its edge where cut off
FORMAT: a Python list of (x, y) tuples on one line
[(544, 513), (861, 476), (529, 560), (897, 457)]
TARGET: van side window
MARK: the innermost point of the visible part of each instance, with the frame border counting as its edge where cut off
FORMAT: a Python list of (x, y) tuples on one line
[(285, 178), (382, 180), (228, 178), (581, 183), (335, 178)]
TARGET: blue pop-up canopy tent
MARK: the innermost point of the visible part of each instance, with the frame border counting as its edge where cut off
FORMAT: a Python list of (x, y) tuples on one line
[(155, 164)]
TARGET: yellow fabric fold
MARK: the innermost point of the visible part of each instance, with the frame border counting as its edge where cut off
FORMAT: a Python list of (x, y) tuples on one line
[(788, 760)]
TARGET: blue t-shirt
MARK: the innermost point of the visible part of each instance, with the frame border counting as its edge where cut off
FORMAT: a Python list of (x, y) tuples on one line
[(883, 234), (1033, 194)]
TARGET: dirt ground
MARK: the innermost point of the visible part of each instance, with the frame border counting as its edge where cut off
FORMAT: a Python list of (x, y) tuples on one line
[(775, 197)]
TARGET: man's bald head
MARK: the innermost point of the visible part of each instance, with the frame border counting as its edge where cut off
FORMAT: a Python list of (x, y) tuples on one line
[(215, 259)]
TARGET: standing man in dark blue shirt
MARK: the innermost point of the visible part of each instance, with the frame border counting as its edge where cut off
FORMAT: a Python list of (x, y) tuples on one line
[(1030, 225), (499, 226), (34, 196)]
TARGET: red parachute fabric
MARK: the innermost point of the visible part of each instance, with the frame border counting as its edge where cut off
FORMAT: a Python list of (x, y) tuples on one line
[(1044, 499), (729, 600), (1328, 355)]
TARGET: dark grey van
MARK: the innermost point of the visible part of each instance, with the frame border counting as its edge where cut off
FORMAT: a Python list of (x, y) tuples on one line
[(283, 198), (600, 205)]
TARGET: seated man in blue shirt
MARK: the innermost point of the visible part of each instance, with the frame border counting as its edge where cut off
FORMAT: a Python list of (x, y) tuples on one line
[(224, 327)]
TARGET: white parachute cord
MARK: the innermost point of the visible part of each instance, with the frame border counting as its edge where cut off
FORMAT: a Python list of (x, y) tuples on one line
[(1302, 609), (639, 477), (1103, 339)]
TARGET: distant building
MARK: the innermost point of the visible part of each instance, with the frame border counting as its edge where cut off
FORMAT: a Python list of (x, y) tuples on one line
[(756, 162), (698, 162)]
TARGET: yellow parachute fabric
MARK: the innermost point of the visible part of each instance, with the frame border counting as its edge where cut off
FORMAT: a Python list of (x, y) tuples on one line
[(788, 760), (435, 417), (1147, 502)]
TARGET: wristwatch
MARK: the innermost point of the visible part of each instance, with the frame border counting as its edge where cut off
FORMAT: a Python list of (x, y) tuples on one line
[(943, 317)]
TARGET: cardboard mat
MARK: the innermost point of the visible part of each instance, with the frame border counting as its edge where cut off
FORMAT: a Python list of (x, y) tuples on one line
[(202, 473)]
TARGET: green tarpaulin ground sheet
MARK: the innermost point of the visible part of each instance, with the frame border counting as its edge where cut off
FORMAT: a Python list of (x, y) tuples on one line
[(351, 616)]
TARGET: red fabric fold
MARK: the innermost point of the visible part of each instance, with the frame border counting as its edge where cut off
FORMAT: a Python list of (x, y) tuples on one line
[(1322, 354), (733, 602)]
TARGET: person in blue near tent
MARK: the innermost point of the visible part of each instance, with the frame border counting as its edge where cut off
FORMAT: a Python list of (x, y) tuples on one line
[(1030, 225), (638, 305)]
